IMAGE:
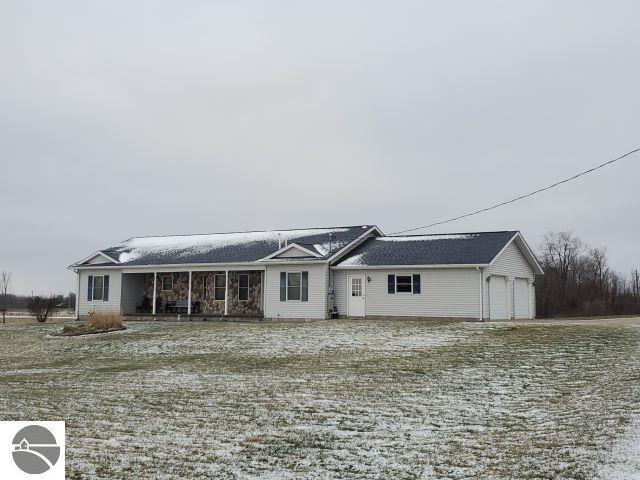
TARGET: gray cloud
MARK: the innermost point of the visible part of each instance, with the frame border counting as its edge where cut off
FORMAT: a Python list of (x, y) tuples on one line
[(121, 119)]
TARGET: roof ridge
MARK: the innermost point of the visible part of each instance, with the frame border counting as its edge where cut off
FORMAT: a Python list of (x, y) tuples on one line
[(449, 233), (251, 231)]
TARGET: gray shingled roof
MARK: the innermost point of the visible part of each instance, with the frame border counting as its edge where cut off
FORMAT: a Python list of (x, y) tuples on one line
[(450, 249), (234, 247)]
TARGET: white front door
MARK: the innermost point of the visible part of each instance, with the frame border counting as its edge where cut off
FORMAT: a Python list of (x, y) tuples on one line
[(355, 296)]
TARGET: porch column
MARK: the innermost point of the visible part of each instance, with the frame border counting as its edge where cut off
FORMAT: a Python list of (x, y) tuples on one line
[(153, 305), (226, 292), (189, 299)]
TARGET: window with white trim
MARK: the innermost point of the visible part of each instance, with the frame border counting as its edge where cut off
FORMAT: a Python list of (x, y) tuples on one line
[(219, 286), (294, 286), (243, 287), (404, 284), (98, 288), (167, 283)]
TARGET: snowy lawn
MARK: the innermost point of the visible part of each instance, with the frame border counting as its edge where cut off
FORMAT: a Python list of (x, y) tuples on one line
[(345, 399)]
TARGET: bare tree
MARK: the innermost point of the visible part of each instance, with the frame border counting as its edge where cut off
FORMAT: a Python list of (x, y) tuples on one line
[(560, 253), (42, 307), (578, 280), (5, 286), (635, 285), (598, 257)]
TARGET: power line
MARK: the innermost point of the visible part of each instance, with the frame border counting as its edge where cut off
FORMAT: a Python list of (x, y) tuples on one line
[(521, 196)]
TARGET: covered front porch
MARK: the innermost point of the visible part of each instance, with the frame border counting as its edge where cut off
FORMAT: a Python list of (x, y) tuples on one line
[(214, 293)]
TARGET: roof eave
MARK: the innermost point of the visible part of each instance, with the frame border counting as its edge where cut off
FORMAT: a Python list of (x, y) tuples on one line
[(388, 267)]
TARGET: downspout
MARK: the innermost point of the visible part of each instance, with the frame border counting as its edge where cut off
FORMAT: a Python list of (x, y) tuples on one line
[(489, 296), (77, 294), (481, 317)]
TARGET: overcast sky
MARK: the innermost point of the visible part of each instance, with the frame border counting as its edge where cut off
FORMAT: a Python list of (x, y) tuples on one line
[(120, 119)]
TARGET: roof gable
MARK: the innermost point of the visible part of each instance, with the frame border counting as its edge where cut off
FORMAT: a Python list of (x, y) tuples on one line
[(98, 258), (525, 250), (293, 250)]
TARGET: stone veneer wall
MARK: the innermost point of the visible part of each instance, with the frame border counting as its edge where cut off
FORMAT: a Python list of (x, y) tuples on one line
[(180, 289), (215, 307), (252, 306)]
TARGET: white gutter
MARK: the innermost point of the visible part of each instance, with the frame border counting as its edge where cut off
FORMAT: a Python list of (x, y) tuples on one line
[(77, 295), (480, 270), (395, 267)]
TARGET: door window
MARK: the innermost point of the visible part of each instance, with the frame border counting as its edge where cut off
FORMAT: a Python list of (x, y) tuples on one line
[(356, 287)]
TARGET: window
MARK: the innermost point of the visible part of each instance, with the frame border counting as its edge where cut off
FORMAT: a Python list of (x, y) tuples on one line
[(404, 284), (356, 286), (204, 287), (98, 287), (243, 287), (167, 283), (294, 286), (219, 287)]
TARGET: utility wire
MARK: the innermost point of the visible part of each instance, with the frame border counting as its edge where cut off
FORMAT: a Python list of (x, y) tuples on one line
[(521, 196)]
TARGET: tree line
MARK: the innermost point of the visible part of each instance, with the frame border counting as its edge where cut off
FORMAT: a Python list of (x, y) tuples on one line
[(13, 301), (578, 280), (41, 307)]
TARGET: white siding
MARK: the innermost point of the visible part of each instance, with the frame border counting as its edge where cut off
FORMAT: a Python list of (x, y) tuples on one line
[(98, 259), (521, 293), (132, 291), (112, 305), (513, 264), (314, 308), (446, 292), (293, 252)]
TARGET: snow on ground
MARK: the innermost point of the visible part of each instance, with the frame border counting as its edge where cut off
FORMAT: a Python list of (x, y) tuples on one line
[(624, 462), (334, 399)]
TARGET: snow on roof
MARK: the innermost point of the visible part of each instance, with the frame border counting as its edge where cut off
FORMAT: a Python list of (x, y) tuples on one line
[(353, 260), (228, 247), (444, 249), (426, 238)]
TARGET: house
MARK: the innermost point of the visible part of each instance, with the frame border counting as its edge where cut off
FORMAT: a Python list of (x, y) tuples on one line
[(353, 271)]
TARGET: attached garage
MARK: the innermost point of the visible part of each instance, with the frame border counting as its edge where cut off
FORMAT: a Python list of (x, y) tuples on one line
[(521, 300), (499, 297)]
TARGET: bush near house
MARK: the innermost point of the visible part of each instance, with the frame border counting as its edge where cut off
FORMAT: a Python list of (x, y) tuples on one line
[(42, 307), (97, 323)]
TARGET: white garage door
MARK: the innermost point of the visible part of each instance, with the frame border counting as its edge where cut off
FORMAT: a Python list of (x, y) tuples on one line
[(498, 298), (521, 298)]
